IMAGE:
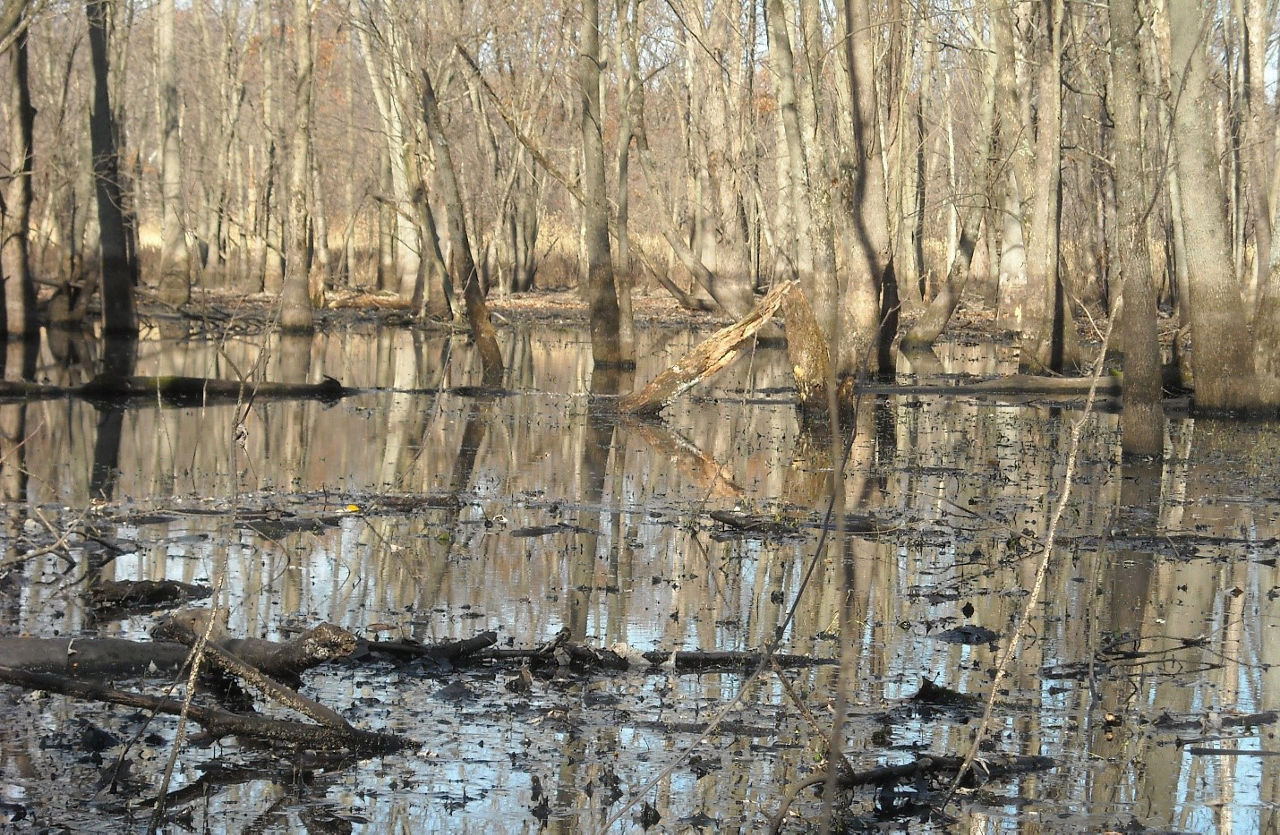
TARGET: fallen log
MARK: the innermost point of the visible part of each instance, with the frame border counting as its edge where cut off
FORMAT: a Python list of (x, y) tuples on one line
[(129, 595), (710, 356), (992, 767), (118, 657), (176, 391), (196, 391), (217, 723), (190, 625), (450, 652)]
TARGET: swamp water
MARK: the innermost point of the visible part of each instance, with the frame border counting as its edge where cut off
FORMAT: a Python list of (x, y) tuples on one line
[(1154, 635)]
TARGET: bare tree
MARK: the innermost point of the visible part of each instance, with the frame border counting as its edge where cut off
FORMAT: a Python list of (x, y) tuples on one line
[(1222, 361), (19, 308), (463, 262), (602, 296), (296, 312), (119, 267), (868, 317), (175, 282), (1142, 419)]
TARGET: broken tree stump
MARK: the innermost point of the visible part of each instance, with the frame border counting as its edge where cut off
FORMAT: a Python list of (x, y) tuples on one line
[(710, 356)]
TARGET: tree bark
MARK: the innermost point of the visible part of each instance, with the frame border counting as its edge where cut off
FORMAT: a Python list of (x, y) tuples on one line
[(933, 321), (296, 315), (1142, 418), (863, 320), (1221, 359), (119, 267), (19, 308), (602, 296), (175, 279), (1046, 337), (463, 264)]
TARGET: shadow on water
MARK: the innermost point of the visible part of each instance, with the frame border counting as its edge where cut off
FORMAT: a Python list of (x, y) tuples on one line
[(423, 508)]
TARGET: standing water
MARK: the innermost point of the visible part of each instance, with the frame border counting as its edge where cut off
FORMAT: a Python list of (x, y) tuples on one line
[(420, 508)]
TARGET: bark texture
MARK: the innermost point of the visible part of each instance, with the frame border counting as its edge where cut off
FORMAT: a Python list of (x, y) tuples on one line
[(1142, 420)]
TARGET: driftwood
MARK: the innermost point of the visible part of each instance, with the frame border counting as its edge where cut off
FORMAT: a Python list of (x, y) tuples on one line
[(563, 651), (711, 355), (229, 655), (117, 657), (216, 721), (450, 652), (123, 595), (790, 525), (176, 391)]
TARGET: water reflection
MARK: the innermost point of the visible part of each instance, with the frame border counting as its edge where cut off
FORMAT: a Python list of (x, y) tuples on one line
[(397, 510)]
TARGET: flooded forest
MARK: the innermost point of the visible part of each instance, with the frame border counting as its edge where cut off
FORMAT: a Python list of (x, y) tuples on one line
[(745, 415)]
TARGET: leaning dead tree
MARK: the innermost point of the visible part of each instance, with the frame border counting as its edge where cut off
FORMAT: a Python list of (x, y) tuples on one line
[(710, 356)]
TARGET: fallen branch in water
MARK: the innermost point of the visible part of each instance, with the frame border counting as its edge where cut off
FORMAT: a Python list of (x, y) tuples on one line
[(216, 721), (711, 355), (927, 765)]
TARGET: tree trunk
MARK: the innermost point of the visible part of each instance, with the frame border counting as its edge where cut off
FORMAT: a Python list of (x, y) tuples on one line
[(861, 313), (19, 308), (1043, 344), (1221, 359), (602, 296), (463, 265), (295, 298), (934, 320), (1142, 419), (175, 282), (119, 264)]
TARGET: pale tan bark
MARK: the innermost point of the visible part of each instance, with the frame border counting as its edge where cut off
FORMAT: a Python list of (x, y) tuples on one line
[(1221, 360), (793, 173), (19, 310), (931, 323), (861, 313), (175, 277), (1048, 331), (296, 313), (463, 263), (602, 296), (1142, 420)]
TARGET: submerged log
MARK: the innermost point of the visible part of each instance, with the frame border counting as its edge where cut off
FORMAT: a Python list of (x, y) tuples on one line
[(195, 391), (710, 356), (123, 595), (176, 391), (117, 657), (217, 722)]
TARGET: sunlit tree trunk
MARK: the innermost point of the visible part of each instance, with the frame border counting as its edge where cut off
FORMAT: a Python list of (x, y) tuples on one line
[(389, 98), (119, 266), (1221, 360), (864, 321), (1047, 338), (296, 313), (797, 255), (463, 263), (630, 128), (175, 283), (938, 312), (19, 308), (602, 296), (1142, 421)]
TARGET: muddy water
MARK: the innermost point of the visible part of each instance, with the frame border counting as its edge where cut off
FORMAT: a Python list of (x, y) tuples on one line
[(1154, 633)]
